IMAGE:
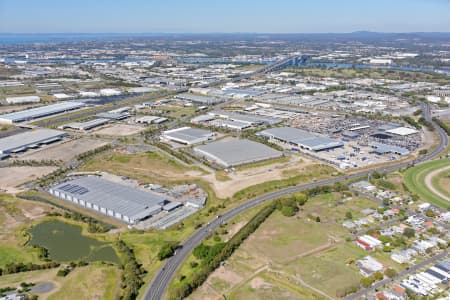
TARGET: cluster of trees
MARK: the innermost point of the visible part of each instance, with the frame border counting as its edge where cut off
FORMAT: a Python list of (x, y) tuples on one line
[(90, 153), (426, 123), (412, 122), (202, 274), (42, 253), (13, 268), (368, 281), (289, 205), (94, 226), (206, 253), (131, 279), (64, 271), (443, 125), (168, 249)]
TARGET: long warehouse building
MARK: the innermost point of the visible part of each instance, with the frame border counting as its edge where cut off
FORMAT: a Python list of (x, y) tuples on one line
[(113, 199), (39, 112), (300, 138), (236, 152), (29, 140)]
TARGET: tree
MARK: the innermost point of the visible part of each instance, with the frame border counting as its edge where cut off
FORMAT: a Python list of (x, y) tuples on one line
[(287, 211), (390, 272), (378, 276), (318, 219), (409, 232), (301, 198), (367, 281), (167, 250), (430, 213), (349, 215)]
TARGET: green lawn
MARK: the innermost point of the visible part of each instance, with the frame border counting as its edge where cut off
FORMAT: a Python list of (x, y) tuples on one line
[(414, 179)]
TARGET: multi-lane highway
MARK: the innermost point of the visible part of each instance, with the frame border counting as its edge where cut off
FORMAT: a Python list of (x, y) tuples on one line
[(164, 276)]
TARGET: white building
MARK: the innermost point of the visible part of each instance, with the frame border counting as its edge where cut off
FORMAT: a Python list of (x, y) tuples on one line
[(24, 99)]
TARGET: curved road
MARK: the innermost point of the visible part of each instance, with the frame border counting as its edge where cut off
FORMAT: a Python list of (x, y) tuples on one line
[(162, 279)]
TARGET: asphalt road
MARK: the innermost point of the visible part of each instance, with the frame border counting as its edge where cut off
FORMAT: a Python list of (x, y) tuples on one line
[(162, 279)]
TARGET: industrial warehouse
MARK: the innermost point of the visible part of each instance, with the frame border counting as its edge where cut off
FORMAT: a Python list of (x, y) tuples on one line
[(86, 125), (28, 140), (39, 112), (199, 99), (236, 152), (187, 135), (300, 138), (110, 198)]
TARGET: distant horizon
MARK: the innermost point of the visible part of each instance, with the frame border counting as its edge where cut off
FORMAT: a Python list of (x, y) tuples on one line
[(224, 32), (231, 16)]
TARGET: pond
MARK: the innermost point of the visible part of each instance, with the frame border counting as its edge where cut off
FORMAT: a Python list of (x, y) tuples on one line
[(65, 243)]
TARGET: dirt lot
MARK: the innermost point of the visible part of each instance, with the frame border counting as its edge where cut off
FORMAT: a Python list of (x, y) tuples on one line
[(12, 177), (64, 151), (119, 130), (251, 176)]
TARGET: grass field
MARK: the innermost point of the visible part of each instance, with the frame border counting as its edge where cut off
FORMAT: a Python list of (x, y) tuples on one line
[(414, 179), (328, 270), (96, 281), (92, 282), (293, 257), (441, 182)]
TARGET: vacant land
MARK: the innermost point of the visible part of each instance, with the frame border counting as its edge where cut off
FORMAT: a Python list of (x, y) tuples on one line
[(156, 167), (253, 174), (293, 257), (64, 151), (151, 166), (119, 130), (96, 281), (92, 282), (414, 179), (12, 177)]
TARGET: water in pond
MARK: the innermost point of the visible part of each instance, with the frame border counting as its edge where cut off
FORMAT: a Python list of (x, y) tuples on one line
[(65, 242)]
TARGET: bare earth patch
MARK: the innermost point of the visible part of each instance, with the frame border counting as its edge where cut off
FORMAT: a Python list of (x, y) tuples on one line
[(242, 179), (64, 151), (120, 130), (12, 177)]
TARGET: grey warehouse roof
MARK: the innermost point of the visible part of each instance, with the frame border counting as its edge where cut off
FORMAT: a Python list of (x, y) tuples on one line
[(301, 138), (29, 139), (246, 118), (42, 111), (86, 125), (236, 152), (128, 201), (188, 134), (198, 99)]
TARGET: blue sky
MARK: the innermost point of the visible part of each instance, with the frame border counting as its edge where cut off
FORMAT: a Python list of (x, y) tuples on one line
[(186, 16)]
